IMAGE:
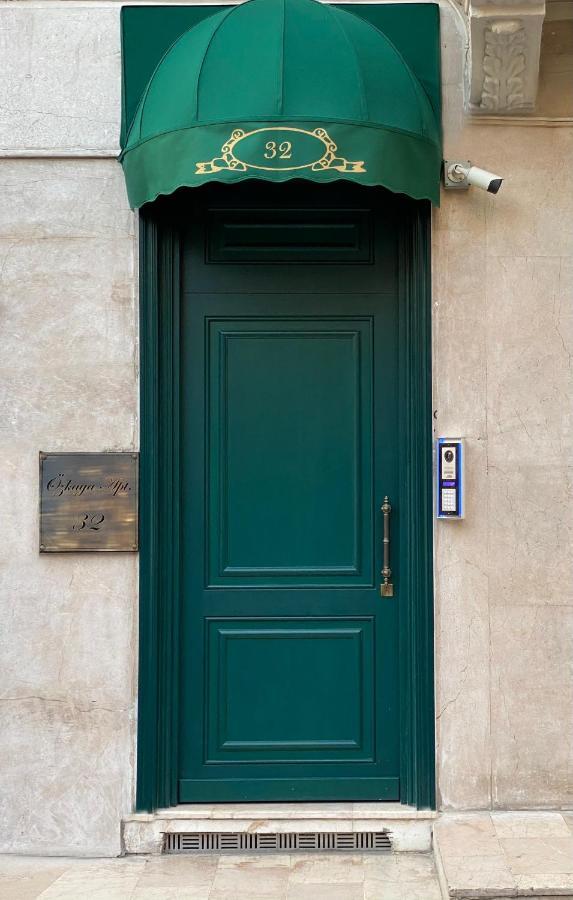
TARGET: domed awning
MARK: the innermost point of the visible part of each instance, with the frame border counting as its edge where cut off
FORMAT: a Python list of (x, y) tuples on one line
[(281, 89)]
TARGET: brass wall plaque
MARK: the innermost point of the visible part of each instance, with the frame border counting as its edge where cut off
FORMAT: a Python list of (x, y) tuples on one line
[(88, 501)]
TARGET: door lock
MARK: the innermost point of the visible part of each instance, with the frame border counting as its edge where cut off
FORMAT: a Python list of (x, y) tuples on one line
[(386, 588)]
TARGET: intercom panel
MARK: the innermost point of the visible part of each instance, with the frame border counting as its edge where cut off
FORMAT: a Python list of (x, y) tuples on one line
[(450, 478)]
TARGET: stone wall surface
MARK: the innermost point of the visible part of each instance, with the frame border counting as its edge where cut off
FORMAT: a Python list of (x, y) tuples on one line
[(61, 84), (503, 345), (503, 339), (68, 381)]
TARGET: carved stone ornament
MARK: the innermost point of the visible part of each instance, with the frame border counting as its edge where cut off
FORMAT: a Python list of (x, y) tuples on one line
[(503, 67), (505, 56)]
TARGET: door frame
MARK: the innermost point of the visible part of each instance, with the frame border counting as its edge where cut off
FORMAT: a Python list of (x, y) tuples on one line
[(158, 701)]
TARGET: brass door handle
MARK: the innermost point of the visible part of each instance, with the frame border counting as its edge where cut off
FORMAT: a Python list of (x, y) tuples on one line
[(386, 588)]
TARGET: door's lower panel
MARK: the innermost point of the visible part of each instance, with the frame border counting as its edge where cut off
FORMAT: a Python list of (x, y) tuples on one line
[(289, 691), (251, 790), (290, 707)]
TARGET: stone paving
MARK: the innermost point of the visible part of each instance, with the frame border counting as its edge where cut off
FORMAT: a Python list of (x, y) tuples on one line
[(391, 876), (478, 855), (505, 854)]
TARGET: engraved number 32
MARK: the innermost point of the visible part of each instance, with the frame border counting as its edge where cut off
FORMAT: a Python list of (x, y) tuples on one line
[(91, 522), (284, 150)]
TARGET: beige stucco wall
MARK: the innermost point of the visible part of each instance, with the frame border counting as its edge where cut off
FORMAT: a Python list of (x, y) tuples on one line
[(503, 340)]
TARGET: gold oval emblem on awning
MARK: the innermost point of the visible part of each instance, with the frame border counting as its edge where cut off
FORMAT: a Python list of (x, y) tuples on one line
[(279, 148)]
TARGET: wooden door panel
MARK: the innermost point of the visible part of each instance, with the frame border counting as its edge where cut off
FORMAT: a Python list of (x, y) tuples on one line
[(265, 240), (295, 236), (289, 690), (290, 452)]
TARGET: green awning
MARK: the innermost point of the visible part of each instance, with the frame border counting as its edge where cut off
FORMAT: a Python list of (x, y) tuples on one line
[(281, 89)]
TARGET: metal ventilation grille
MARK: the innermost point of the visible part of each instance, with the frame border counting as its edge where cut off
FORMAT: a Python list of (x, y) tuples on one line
[(221, 841)]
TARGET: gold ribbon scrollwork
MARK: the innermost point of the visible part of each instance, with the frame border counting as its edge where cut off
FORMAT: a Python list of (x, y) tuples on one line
[(330, 160), (227, 160), (230, 158)]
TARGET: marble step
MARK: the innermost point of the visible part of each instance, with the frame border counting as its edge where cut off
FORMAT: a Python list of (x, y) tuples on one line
[(487, 856), (410, 829)]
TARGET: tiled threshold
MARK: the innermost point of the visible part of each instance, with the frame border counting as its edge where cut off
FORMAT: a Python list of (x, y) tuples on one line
[(504, 854), (411, 829)]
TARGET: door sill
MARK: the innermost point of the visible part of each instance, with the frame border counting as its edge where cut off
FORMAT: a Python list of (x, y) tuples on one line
[(410, 828)]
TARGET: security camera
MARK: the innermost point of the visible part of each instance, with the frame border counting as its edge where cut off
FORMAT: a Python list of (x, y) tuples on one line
[(483, 179), (460, 175)]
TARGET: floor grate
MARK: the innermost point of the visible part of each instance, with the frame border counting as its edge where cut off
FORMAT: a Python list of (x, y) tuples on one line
[(227, 841)]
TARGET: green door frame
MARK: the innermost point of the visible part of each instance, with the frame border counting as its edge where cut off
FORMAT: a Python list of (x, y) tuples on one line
[(159, 508)]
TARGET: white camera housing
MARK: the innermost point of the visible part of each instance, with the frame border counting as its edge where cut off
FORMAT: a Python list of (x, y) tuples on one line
[(459, 175)]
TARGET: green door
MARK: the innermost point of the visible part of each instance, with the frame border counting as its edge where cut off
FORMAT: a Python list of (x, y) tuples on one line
[(289, 419)]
